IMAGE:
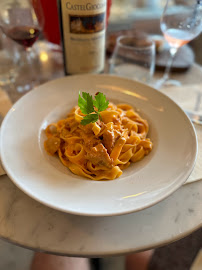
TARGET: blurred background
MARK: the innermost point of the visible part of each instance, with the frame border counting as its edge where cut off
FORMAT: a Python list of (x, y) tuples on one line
[(143, 15)]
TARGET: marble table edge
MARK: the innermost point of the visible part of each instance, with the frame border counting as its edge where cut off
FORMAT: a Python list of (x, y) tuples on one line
[(102, 255)]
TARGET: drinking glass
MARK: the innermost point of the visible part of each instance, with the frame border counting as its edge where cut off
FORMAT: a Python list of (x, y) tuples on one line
[(180, 23), (7, 61), (19, 22), (134, 57)]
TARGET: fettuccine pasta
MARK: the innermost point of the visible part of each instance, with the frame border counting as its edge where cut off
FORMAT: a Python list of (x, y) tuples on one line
[(100, 150)]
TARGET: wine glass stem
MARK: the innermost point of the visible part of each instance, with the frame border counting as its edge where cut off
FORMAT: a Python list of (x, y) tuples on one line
[(173, 52)]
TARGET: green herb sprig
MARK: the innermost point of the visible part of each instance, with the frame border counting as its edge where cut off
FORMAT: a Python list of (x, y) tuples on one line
[(92, 107)]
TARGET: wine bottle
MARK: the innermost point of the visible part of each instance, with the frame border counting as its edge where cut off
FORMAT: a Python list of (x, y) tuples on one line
[(83, 28)]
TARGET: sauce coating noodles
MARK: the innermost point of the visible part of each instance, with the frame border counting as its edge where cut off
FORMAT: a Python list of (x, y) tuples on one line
[(101, 150)]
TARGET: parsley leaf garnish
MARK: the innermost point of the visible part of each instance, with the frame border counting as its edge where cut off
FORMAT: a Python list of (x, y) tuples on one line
[(92, 107), (85, 103), (90, 118), (100, 102)]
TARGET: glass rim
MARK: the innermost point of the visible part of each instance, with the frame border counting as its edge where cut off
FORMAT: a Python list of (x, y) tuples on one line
[(151, 46)]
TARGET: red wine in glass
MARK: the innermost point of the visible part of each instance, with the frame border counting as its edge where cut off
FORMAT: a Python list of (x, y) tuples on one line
[(24, 35), (19, 21)]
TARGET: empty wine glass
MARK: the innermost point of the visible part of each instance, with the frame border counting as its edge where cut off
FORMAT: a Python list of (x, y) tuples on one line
[(19, 22), (134, 57), (180, 23)]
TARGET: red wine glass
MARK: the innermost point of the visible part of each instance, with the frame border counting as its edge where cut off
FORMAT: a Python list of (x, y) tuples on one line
[(20, 23)]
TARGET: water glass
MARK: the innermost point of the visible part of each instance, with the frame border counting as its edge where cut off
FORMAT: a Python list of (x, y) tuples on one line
[(134, 58), (8, 71)]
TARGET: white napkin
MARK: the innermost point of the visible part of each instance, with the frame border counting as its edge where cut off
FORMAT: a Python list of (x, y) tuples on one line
[(5, 105), (187, 97)]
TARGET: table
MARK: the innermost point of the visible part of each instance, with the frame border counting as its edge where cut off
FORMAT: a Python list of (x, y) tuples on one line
[(30, 224)]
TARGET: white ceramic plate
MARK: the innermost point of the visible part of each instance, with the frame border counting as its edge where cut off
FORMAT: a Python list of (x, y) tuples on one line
[(141, 185)]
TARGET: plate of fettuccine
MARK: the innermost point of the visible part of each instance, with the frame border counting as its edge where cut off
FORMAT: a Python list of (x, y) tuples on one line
[(97, 145)]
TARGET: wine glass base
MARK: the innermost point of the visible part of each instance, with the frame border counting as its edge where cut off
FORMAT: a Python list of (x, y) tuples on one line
[(46, 64), (28, 70), (195, 117), (166, 82), (172, 83)]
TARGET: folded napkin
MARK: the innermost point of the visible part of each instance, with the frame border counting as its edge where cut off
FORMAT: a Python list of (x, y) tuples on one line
[(189, 97), (5, 105)]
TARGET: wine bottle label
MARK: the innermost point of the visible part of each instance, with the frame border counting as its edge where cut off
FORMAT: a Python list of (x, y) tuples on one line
[(83, 27)]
